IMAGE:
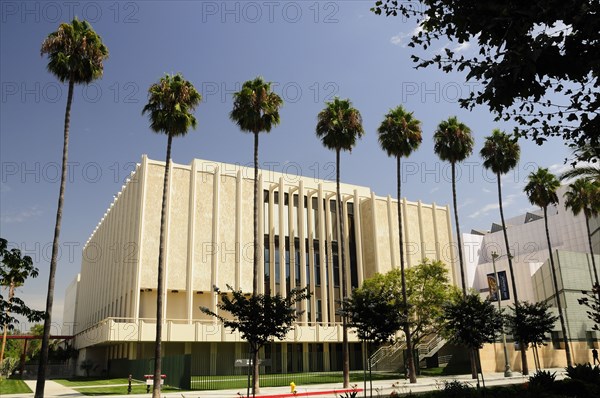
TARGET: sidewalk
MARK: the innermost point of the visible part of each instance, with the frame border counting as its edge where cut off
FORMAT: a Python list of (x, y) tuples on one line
[(380, 388)]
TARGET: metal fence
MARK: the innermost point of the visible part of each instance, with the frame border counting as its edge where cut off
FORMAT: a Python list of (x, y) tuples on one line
[(228, 368)]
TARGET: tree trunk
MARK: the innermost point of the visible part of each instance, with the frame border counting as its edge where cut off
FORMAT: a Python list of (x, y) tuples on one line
[(11, 294), (41, 378), (409, 347), (257, 253), (555, 281), (255, 260), (589, 235), (161, 267), (460, 259), (524, 365), (342, 255), (255, 375), (458, 237), (508, 255)]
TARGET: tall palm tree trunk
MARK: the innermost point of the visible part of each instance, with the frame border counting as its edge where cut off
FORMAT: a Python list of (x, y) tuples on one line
[(555, 281), (256, 257), (508, 255), (41, 377), (460, 261), (159, 289), (458, 237), (409, 347), (342, 252), (524, 365), (589, 236), (11, 294)]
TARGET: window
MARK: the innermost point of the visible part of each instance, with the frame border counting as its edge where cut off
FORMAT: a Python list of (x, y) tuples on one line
[(557, 340)]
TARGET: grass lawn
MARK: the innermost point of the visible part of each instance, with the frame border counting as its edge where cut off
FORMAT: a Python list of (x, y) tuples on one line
[(13, 386), (121, 390), (84, 382), (278, 380)]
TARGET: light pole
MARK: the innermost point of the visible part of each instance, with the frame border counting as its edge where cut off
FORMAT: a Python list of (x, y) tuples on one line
[(507, 371)]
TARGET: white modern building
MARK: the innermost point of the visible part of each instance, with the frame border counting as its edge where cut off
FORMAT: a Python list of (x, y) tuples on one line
[(529, 248), (209, 243)]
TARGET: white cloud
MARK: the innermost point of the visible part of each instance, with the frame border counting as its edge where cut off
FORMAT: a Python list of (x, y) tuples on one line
[(21, 216), (402, 39), (486, 190), (466, 202), (434, 189), (506, 202), (484, 210), (462, 46)]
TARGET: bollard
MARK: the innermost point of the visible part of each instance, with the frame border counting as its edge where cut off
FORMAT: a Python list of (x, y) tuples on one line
[(293, 387), (129, 386)]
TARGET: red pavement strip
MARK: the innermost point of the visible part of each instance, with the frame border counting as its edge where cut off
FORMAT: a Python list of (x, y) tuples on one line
[(311, 393)]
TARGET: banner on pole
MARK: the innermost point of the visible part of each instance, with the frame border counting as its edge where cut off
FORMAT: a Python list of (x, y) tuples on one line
[(501, 284)]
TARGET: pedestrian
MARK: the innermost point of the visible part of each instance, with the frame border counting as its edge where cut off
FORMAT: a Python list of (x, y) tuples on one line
[(595, 356)]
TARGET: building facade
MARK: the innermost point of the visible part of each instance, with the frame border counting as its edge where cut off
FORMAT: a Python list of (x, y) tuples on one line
[(209, 243), (531, 265)]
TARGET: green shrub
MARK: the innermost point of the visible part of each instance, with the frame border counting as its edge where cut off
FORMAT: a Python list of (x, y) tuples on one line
[(576, 389), (584, 372), (457, 389), (542, 379)]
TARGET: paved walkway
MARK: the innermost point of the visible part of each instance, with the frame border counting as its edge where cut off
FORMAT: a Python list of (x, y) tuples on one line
[(380, 387)]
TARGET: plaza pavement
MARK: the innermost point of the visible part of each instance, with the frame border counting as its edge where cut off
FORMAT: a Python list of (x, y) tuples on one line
[(332, 390)]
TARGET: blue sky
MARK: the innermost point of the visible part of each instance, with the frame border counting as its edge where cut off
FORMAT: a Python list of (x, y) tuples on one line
[(311, 50)]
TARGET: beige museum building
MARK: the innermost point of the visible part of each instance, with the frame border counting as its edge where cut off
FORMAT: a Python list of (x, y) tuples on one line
[(112, 302)]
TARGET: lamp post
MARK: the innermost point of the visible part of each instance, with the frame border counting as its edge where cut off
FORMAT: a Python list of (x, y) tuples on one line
[(507, 371)]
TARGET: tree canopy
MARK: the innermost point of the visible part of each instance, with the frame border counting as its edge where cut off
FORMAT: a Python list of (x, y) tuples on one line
[(537, 61), (15, 269), (530, 322), (471, 321), (259, 318), (374, 310)]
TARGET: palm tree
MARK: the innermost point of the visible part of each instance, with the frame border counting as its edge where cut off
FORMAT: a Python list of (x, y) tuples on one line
[(399, 136), (453, 143), (589, 173), (171, 102), (501, 153), (541, 191), (584, 195), (75, 55), (338, 127), (256, 110)]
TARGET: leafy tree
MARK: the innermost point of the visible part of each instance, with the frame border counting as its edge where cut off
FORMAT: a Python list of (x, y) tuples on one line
[(541, 191), (259, 318), (256, 110), (537, 61), (591, 300), (429, 288), (75, 55), (529, 323), (453, 143), (14, 271), (471, 321), (171, 102), (501, 153), (339, 125), (375, 311), (400, 135)]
